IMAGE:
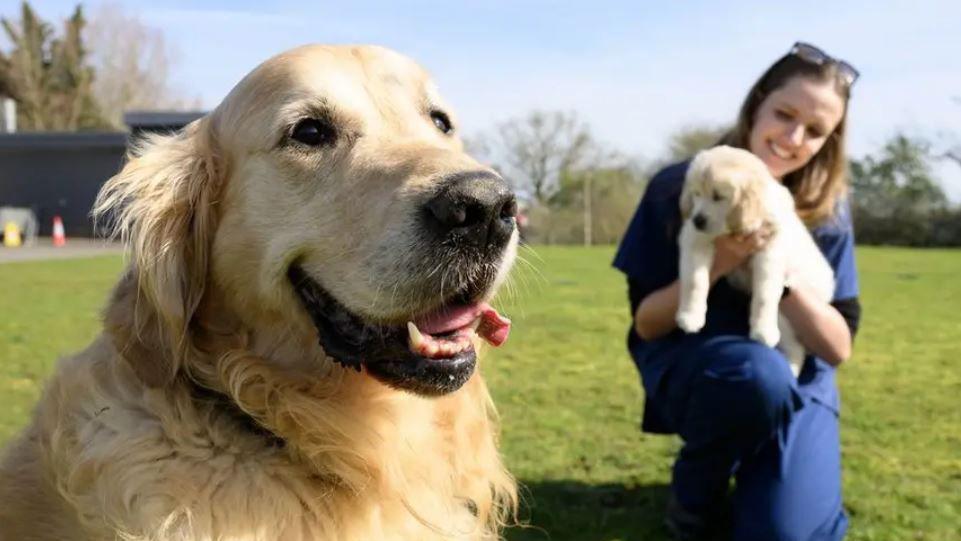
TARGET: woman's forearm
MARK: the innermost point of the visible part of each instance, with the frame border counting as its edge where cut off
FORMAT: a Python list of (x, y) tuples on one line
[(656, 315), (820, 328)]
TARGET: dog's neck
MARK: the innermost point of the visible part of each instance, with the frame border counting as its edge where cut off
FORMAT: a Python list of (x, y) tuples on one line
[(222, 403)]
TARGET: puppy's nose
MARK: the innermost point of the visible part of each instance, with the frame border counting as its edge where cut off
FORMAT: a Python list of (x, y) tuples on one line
[(477, 207), (700, 222)]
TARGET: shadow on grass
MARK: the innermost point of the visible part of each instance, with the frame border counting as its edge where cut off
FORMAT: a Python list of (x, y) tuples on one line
[(572, 510)]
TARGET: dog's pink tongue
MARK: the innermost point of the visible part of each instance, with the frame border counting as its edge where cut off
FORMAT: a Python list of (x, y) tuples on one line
[(493, 327)]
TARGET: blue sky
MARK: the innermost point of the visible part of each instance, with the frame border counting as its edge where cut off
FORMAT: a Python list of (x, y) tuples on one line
[(636, 71)]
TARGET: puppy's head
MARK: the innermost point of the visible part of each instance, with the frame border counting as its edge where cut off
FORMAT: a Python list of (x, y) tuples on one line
[(724, 190), (327, 195)]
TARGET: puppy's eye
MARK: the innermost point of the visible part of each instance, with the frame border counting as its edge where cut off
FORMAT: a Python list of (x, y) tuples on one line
[(716, 196), (314, 132), (442, 121)]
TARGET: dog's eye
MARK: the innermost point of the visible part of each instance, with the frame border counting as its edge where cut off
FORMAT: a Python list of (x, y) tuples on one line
[(442, 121), (716, 196), (314, 132)]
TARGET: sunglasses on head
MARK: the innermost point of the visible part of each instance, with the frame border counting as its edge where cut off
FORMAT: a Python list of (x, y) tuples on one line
[(814, 55)]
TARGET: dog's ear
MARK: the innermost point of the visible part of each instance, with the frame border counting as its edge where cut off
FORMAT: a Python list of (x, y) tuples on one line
[(161, 205), (747, 211), (138, 334)]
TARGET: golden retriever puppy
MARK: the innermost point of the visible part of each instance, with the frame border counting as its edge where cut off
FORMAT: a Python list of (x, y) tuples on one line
[(729, 190), (290, 354)]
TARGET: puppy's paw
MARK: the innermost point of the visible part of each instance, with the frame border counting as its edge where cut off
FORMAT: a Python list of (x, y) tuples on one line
[(690, 321), (769, 335), (796, 367)]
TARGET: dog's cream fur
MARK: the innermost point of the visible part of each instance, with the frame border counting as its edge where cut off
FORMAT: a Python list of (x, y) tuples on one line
[(119, 448), (733, 192)]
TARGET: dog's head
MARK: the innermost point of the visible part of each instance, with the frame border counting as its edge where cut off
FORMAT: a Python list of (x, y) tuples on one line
[(724, 191), (327, 195)]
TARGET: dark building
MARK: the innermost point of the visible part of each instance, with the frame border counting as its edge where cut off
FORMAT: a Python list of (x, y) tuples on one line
[(141, 122), (61, 173)]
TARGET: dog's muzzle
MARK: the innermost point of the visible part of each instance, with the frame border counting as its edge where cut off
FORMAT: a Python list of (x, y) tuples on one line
[(699, 221), (475, 208), (433, 354)]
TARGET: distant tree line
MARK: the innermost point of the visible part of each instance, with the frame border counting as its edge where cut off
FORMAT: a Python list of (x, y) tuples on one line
[(574, 188), (577, 191), (896, 199), (87, 75)]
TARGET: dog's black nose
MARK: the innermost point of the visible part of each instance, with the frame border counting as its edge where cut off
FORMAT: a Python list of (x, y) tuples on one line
[(700, 222), (477, 207)]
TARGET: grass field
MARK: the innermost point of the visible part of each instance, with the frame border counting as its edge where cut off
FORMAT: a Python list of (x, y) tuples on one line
[(570, 398)]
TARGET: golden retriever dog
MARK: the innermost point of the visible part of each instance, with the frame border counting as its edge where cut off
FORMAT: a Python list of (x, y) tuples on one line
[(729, 190), (290, 354)]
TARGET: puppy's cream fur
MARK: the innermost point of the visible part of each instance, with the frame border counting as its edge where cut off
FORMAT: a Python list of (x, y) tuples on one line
[(120, 446), (731, 191)]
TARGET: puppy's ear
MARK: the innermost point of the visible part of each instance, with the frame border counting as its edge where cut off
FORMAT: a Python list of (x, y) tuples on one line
[(687, 201), (161, 205), (747, 211), (695, 174)]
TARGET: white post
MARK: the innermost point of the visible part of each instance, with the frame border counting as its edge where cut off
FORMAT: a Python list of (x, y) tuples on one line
[(588, 211), (9, 115)]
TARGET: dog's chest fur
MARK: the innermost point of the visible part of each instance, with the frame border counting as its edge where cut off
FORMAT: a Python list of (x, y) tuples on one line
[(130, 462)]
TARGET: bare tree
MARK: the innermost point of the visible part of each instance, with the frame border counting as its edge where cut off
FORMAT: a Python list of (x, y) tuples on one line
[(690, 140), (132, 63), (48, 75), (954, 154), (538, 148)]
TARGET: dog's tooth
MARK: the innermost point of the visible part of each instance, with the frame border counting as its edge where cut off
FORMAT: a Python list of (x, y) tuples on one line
[(416, 338), (430, 350)]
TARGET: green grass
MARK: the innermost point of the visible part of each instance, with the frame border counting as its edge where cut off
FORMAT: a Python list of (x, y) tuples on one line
[(571, 401), (47, 310)]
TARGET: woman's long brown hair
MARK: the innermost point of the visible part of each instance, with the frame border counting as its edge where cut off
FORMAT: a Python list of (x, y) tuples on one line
[(818, 185)]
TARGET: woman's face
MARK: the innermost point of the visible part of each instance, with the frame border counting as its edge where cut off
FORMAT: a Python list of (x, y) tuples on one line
[(793, 123)]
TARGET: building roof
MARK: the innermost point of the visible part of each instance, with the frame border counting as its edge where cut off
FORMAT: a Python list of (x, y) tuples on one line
[(35, 140), (160, 119)]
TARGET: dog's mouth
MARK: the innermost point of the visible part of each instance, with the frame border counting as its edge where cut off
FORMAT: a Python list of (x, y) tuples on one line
[(432, 354)]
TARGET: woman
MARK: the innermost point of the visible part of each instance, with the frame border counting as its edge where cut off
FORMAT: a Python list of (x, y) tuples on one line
[(733, 401)]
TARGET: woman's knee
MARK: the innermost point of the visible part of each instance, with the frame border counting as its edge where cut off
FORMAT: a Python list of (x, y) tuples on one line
[(753, 381), (774, 385)]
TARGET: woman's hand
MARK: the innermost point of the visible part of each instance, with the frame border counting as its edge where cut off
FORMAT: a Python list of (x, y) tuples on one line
[(731, 251), (656, 315)]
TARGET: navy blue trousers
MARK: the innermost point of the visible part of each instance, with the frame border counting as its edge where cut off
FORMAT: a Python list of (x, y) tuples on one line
[(740, 412)]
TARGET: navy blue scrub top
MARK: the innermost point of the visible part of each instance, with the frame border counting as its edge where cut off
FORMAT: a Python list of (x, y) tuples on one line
[(649, 255)]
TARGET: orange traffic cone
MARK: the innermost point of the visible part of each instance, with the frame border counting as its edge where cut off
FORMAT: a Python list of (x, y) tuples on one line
[(59, 237)]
